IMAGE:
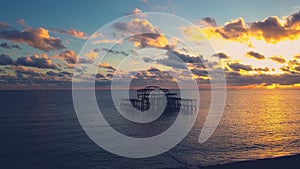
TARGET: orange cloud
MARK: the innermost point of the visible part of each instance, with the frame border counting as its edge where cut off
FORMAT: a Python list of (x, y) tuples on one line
[(72, 32), (278, 59), (107, 66), (93, 54), (272, 30), (143, 33), (4, 25), (38, 61), (38, 38), (256, 55)]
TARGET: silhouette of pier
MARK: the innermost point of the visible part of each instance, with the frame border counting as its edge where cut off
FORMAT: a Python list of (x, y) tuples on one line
[(157, 97)]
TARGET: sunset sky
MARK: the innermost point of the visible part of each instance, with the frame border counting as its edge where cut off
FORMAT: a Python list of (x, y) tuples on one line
[(256, 43)]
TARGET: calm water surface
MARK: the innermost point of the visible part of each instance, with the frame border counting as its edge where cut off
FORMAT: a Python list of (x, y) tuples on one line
[(39, 129)]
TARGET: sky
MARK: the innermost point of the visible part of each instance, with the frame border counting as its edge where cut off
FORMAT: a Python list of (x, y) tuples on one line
[(48, 44)]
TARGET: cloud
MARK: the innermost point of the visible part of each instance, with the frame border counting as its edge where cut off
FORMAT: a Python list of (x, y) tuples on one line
[(296, 56), (235, 29), (200, 72), (144, 33), (271, 29), (105, 41), (136, 11), (221, 55), (38, 38), (59, 74), (98, 75), (73, 32), (31, 77), (22, 22), (5, 60), (208, 21), (107, 66), (297, 68), (152, 76), (115, 52), (136, 26), (69, 56), (263, 79), (293, 62), (266, 69), (22, 70), (93, 54), (277, 59), (184, 57), (288, 69), (36, 61), (292, 67), (171, 63), (177, 60), (239, 66), (256, 55), (7, 46), (4, 25)]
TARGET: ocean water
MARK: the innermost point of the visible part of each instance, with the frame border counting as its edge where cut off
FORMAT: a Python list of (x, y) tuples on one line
[(39, 129)]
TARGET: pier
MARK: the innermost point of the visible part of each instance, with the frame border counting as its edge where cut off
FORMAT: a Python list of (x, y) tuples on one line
[(158, 97)]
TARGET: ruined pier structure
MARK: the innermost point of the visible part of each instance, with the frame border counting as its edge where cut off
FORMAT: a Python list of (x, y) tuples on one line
[(159, 97)]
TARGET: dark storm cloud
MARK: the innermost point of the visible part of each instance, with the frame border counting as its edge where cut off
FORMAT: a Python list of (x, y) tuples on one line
[(38, 38), (5, 60), (255, 55), (239, 66)]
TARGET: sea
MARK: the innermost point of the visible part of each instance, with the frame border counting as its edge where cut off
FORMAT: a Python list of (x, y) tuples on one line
[(40, 129)]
